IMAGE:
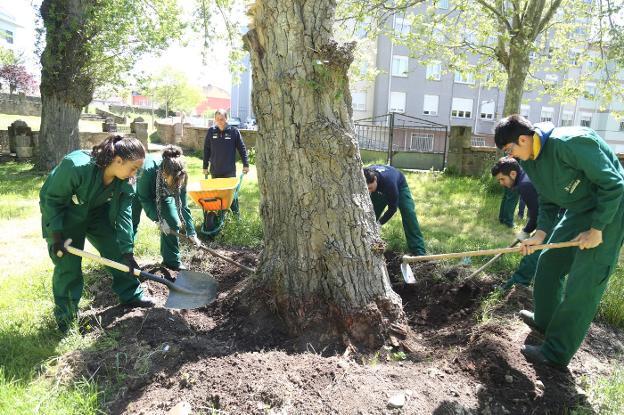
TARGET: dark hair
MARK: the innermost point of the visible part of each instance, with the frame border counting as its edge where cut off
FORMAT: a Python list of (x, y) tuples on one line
[(221, 112), (506, 165), (173, 164), (128, 148), (370, 175), (509, 129)]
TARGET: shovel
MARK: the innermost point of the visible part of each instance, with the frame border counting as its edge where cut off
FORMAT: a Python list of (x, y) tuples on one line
[(215, 253), (491, 261), (407, 272), (190, 289)]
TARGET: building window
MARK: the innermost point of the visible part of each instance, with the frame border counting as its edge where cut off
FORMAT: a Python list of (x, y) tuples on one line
[(358, 101), (525, 110), (434, 71), (399, 65), (464, 78), (477, 141), (547, 114), (586, 119), (461, 108), (551, 78), (443, 4), (590, 90), (402, 26), (487, 110), (422, 142), (397, 102), (567, 118), (430, 105), (8, 36)]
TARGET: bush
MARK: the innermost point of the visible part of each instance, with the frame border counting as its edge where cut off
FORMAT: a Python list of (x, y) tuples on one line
[(154, 138)]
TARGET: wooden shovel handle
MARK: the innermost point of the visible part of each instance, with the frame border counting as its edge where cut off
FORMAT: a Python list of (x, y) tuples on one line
[(101, 260), (410, 259)]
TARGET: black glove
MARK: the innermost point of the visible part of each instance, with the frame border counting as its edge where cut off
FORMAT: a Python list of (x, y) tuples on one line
[(58, 248), (131, 262)]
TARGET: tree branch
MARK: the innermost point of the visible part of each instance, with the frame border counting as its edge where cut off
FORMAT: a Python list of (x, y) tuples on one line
[(502, 19)]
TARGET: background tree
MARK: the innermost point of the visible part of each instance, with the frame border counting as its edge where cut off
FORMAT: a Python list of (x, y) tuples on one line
[(321, 262), (514, 41), (172, 90), (91, 43), (17, 78)]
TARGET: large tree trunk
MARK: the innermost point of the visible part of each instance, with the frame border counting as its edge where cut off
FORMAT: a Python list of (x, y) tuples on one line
[(66, 87), (58, 134), (519, 64), (321, 260)]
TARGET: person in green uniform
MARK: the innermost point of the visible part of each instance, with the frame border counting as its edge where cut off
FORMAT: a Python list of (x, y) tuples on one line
[(388, 189), (161, 191), (572, 168), (89, 196)]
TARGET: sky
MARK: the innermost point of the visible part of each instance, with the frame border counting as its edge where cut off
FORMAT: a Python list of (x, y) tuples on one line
[(186, 59)]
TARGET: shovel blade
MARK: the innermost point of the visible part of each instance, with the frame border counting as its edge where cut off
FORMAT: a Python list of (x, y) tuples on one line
[(407, 273), (192, 290)]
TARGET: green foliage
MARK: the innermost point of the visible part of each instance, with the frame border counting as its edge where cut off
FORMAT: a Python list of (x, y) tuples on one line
[(554, 36), (606, 394), (172, 90), (96, 43)]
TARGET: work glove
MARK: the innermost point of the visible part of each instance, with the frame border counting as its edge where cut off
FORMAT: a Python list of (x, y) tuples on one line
[(164, 227), (522, 235), (195, 240), (131, 262), (58, 248)]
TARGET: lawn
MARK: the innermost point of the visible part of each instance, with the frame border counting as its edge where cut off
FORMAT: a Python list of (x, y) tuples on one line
[(455, 213)]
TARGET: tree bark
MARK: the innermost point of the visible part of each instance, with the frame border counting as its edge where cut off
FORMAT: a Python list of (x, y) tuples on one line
[(66, 86), (59, 133), (517, 71), (321, 260)]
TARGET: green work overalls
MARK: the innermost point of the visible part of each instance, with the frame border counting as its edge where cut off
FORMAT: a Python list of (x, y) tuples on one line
[(578, 171), (74, 201), (146, 200)]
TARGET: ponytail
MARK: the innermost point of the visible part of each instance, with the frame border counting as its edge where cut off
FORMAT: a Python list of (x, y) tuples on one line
[(128, 148), (173, 164)]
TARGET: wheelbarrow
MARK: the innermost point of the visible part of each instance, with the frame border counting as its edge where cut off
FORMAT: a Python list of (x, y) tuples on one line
[(215, 196)]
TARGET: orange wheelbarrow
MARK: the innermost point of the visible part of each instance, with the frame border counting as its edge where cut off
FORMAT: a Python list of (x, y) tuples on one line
[(215, 196)]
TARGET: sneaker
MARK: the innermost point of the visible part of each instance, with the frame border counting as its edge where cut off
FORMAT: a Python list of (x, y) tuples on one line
[(143, 302), (528, 318)]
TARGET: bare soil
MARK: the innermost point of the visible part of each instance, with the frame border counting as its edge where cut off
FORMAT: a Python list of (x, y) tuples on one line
[(227, 359)]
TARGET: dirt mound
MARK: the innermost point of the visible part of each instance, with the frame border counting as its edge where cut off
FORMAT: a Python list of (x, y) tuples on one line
[(224, 358)]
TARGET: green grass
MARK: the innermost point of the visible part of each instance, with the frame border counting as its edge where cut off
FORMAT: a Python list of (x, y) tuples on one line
[(19, 187), (606, 394)]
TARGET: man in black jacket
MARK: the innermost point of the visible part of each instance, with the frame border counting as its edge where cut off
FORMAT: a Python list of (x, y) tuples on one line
[(220, 145), (388, 188), (509, 174)]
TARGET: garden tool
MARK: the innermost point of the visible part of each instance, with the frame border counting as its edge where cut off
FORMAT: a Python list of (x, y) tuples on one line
[(190, 289), (491, 261), (411, 259), (215, 253)]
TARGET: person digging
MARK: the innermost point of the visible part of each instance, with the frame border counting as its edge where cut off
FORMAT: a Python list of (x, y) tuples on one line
[(388, 189), (572, 168)]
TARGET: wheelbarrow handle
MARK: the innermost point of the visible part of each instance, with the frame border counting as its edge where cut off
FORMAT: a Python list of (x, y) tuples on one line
[(410, 259), (116, 265)]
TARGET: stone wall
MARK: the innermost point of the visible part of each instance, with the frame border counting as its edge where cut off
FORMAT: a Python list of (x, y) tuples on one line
[(20, 104), (193, 137), (466, 159), (87, 140)]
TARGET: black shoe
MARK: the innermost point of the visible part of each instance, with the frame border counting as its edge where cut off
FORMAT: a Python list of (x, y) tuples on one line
[(534, 355), (529, 319), (143, 302)]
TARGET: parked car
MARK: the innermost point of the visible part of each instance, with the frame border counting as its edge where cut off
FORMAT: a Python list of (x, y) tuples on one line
[(250, 124), (234, 122)]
